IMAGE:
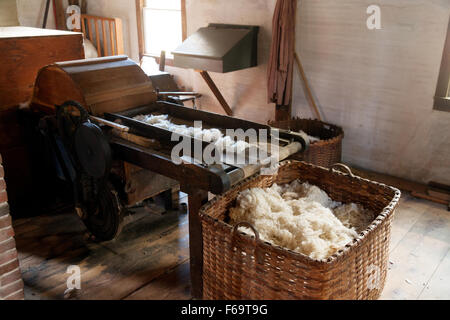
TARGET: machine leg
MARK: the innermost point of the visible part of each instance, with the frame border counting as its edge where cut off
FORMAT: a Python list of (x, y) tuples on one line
[(195, 200), (175, 197), (172, 198)]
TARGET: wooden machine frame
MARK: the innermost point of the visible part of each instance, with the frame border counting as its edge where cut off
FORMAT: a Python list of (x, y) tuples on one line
[(113, 104)]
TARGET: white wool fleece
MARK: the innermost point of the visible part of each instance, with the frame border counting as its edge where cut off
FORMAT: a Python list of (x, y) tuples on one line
[(298, 216), (208, 135)]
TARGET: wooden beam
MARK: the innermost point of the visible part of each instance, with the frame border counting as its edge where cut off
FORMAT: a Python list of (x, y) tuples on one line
[(195, 201), (308, 90), (60, 15), (282, 112), (162, 61), (179, 93), (195, 176), (111, 38), (83, 6), (105, 38), (47, 7), (139, 6), (183, 20), (429, 198), (119, 35), (418, 190), (97, 37), (216, 92)]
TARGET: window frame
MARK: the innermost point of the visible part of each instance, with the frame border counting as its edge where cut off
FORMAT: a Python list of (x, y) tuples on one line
[(140, 26), (442, 96)]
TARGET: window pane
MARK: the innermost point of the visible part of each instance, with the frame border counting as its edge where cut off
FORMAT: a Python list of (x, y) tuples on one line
[(162, 29), (163, 4)]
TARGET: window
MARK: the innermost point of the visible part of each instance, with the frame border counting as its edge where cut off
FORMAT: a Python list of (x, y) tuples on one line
[(442, 96), (161, 25)]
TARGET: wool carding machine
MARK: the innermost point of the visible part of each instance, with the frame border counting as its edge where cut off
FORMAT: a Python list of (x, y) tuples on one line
[(87, 109)]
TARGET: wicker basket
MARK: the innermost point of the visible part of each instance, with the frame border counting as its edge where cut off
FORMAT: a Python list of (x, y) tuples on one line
[(239, 266), (323, 153)]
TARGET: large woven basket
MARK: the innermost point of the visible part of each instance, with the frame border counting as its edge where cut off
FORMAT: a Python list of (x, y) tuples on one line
[(323, 153), (239, 266)]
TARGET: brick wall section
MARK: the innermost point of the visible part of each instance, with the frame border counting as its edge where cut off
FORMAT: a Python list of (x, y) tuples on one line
[(11, 284)]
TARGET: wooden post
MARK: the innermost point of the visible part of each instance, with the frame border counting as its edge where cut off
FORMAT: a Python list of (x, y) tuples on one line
[(282, 112), (60, 15), (308, 90), (119, 36), (183, 20), (139, 6), (105, 39), (111, 38), (162, 61), (196, 198), (83, 6), (47, 6), (97, 37), (216, 91)]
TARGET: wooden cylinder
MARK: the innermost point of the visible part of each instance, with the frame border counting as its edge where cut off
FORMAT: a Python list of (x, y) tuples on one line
[(109, 84)]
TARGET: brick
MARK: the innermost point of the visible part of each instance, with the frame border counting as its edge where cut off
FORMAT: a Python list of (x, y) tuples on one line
[(16, 296), (5, 268), (10, 277), (11, 288), (2, 171), (7, 245), (4, 209), (6, 233), (3, 196), (5, 221), (2, 184), (8, 256)]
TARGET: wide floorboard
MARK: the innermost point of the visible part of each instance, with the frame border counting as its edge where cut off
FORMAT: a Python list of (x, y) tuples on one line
[(150, 259)]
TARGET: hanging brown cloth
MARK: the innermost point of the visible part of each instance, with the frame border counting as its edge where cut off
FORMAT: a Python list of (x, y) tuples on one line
[(281, 60)]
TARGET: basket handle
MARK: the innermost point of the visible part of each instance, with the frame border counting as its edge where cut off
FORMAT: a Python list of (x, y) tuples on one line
[(342, 166), (259, 256), (248, 225)]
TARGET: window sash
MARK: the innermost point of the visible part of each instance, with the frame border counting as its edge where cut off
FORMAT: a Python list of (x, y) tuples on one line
[(163, 5), (140, 5), (148, 24)]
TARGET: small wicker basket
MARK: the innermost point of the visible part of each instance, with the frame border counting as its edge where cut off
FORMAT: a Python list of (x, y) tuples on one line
[(239, 266), (325, 152)]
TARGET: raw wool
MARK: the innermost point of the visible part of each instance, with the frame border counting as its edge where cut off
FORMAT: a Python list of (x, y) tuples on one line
[(208, 135), (296, 190), (354, 216), (151, 119), (311, 138), (297, 216), (225, 142)]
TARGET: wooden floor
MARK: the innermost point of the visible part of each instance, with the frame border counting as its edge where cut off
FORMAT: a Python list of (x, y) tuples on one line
[(150, 259)]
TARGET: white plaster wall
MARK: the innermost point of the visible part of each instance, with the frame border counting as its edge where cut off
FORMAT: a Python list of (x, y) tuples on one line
[(379, 85), (8, 13), (31, 13)]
